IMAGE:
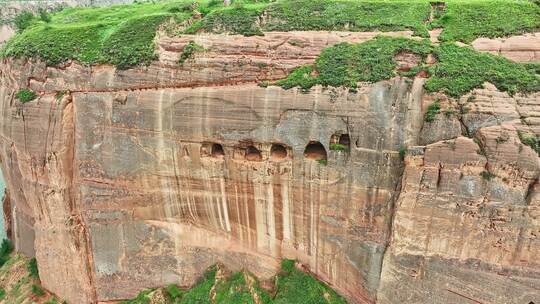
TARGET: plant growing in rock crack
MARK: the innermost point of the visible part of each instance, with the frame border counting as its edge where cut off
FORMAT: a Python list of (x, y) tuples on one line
[(402, 152), (37, 290), (449, 112), (189, 50), (487, 175), (25, 95), (33, 268), (432, 111), (338, 147), (59, 95), (530, 140)]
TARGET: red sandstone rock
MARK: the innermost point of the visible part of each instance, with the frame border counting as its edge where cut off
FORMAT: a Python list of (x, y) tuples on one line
[(119, 184)]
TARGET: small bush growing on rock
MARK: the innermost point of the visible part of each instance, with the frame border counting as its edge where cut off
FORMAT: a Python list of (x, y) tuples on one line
[(33, 268), (189, 50), (5, 250), (345, 64), (402, 152), (23, 20), (487, 175), (338, 147), (25, 95), (174, 292), (37, 290), (44, 16), (432, 111), (530, 140)]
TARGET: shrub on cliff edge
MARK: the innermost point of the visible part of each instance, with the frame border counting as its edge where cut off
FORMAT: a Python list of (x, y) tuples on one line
[(25, 95), (5, 250), (345, 64)]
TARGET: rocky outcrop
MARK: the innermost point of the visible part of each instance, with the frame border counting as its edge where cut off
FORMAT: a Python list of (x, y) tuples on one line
[(522, 48), (138, 178)]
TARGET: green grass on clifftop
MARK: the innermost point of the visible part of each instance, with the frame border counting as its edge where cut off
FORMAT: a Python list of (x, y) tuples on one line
[(319, 15), (124, 35), (461, 69), (346, 64), (467, 20), (458, 70)]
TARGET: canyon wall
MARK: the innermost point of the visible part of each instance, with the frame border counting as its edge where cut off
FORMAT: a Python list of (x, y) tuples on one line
[(126, 179)]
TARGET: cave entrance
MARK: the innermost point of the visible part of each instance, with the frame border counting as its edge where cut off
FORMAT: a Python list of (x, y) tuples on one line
[(315, 151), (345, 140), (217, 151), (253, 154), (278, 152), (214, 150)]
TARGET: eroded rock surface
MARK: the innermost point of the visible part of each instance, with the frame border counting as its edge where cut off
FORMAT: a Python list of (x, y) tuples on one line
[(145, 177)]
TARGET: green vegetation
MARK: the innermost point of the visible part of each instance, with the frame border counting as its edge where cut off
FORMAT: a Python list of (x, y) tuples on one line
[(432, 111), (292, 286), (461, 69), (200, 293), (402, 152), (174, 292), (25, 95), (318, 15), (458, 70), (37, 290), (132, 42), (5, 250), (530, 140), (323, 162), (120, 35), (338, 147), (237, 19), (59, 95), (123, 35), (346, 64), (189, 50), (2, 294), (23, 20), (44, 16), (295, 286), (33, 268), (468, 20), (487, 175)]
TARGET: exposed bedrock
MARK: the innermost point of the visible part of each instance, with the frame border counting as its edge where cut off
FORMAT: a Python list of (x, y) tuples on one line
[(145, 177)]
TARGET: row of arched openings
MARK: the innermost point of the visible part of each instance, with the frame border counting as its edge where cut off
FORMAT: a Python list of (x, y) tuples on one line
[(314, 150)]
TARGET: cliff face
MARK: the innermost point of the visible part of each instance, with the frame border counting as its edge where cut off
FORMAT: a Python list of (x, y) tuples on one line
[(138, 178)]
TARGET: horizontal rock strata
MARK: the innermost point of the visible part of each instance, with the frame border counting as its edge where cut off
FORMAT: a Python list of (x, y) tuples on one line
[(129, 179)]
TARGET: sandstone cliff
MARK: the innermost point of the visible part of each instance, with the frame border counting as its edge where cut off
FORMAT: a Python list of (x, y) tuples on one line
[(125, 179)]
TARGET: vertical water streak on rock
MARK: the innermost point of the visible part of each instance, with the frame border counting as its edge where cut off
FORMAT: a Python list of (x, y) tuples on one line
[(165, 189), (288, 220), (224, 204), (260, 216), (270, 218)]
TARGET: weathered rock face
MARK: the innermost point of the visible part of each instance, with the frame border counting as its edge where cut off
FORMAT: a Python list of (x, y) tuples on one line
[(140, 178)]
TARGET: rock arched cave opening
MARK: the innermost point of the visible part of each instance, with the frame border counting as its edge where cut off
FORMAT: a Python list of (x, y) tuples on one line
[(253, 154), (315, 151), (278, 152), (217, 151)]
